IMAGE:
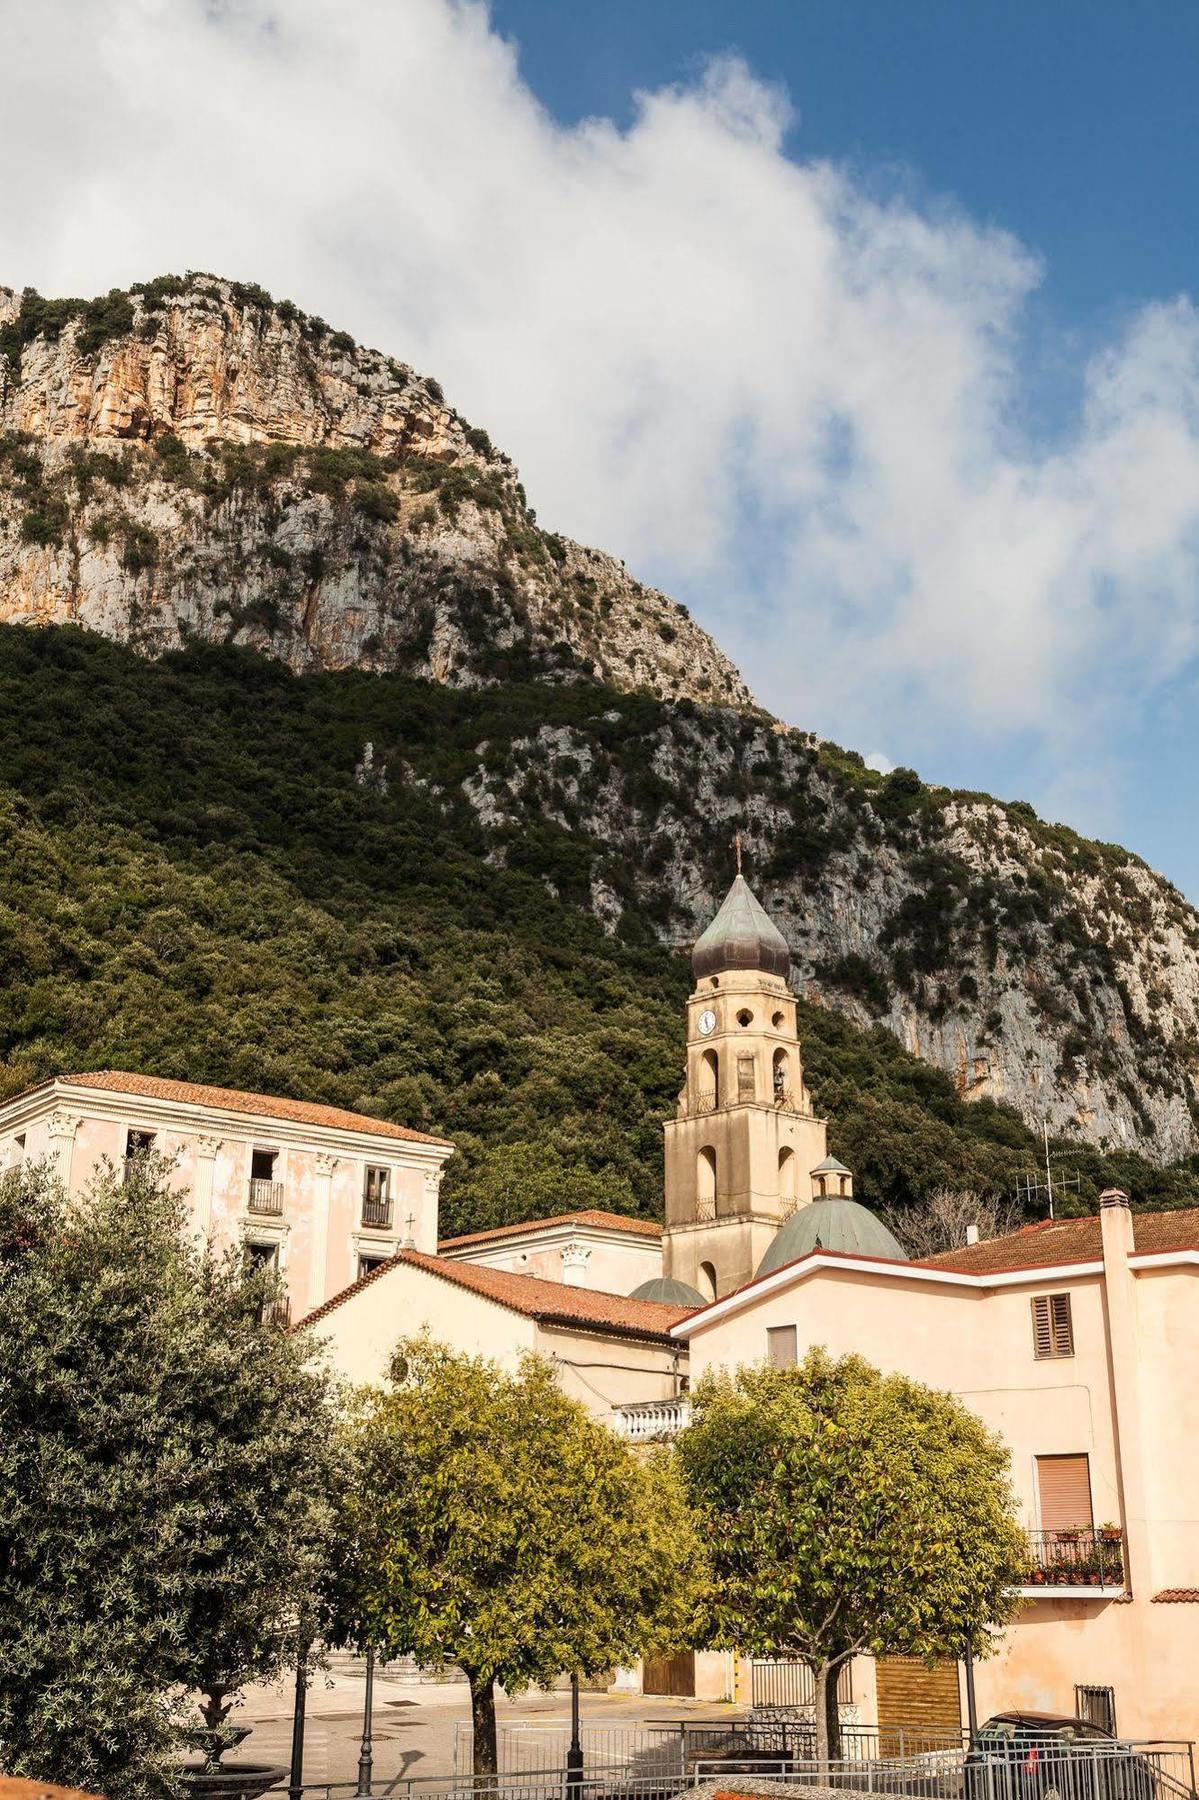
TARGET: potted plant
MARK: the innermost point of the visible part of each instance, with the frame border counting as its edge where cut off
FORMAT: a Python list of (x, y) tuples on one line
[(1111, 1534)]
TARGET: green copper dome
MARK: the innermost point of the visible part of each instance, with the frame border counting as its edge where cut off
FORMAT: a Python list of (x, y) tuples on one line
[(833, 1224), (741, 936), (668, 1292)]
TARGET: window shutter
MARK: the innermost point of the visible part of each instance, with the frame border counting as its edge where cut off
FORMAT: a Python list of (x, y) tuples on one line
[(1052, 1326), (1064, 1483), (782, 1346)]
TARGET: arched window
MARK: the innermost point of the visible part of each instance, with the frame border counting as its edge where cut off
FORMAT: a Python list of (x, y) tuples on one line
[(705, 1183), (780, 1075), (710, 1079), (706, 1282), (787, 1180)]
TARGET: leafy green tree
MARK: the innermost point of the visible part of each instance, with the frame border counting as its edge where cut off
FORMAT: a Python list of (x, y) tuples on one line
[(162, 1480), (849, 1512), (494, 1524)]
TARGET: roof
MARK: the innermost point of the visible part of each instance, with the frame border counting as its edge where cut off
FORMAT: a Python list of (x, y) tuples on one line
[(269, 1106), (1054, 1241), (831, 1223), (601, 1221), (1177, 1596), (549, 1302), (741, 936), (671, 1292), (830, 1166)]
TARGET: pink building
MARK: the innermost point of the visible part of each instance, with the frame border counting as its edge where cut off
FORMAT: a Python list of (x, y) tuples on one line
[(1077, 1341), (323, 1193)]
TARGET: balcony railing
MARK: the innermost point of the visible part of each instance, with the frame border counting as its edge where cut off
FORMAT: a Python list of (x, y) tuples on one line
[(1077, 1557), (376, 1211), (701, 1100), (266, 1197), (643, 1420)]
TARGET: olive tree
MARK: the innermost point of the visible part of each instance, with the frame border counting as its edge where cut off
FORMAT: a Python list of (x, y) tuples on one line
[(848, 1512), (162, 1480), (494, 1524)]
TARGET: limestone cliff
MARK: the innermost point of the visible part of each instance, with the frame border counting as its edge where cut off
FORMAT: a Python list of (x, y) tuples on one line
[(193, 460)]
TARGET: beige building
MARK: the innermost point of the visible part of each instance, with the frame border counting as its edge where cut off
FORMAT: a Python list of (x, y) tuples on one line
[(323, 1193), (1076, 1341), (592, 1249)]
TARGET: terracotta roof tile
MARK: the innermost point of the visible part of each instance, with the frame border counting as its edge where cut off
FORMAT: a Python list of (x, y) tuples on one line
[(549, 1302), (1177, 1596), (1054, 1241), (269, 1106), (604, 1221)]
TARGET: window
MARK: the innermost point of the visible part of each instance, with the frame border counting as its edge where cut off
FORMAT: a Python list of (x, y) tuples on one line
[(707, 1279), (366, 1264), (705, 1183), (1097, 1705), (261, 1256), (376, 1198), (745, 1078), (138, 1143), (262, 1165), (1052, 1326), (781, 1347), (1064, 1489)]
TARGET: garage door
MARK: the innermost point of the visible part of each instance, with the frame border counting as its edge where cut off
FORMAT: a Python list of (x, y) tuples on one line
[(917, 1700), (669, 1674)]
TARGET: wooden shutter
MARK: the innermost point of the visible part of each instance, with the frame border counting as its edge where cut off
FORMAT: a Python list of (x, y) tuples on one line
[(1064, 1483), (919, 1701), (781, 1346), (1052, 1326)]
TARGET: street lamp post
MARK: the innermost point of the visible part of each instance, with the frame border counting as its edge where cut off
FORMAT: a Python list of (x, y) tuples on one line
[(574, 1756), (971, 1704), (366, 1754)]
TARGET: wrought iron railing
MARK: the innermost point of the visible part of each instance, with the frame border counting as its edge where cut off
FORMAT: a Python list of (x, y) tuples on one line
[(266, 1197), (1082, 1556), (702, 1100), (376, 1211)]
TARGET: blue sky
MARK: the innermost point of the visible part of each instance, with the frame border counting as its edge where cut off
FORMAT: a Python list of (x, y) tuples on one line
[(863, 327), (1072, 125)]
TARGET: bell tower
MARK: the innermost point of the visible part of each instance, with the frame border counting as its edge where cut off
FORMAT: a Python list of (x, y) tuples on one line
[(741, 1150)]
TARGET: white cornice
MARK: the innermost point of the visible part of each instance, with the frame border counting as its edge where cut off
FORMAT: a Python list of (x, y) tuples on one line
[(550, 1238), (191, 1119), (815, 1264)]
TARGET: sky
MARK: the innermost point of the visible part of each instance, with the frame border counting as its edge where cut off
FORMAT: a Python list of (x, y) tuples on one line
[(866, 328)]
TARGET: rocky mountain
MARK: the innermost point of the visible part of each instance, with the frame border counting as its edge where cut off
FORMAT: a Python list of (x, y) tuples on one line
[(193, 462)]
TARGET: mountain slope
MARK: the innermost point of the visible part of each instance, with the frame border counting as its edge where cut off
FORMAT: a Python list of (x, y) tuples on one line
[(208, 874), (192, 462)]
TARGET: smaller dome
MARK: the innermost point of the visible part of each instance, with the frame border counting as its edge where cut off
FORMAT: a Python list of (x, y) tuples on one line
[(668, 1292), (836, 1223), (741, 936)]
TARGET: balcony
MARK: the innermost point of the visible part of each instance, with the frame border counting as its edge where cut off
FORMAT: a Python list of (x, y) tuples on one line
[(266, 1198), (376, 1212), (701, 1100), (1081, 1557), (645, 1421)]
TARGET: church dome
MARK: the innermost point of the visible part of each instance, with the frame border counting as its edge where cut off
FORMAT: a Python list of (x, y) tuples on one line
[(668, 1292), (833, 1224), (741, 936)]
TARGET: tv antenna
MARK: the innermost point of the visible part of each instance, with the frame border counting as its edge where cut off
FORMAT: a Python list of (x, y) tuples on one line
[(1035, 1188)]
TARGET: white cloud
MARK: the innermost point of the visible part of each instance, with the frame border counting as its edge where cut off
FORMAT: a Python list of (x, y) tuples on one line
[(882, 765), (799, 406)]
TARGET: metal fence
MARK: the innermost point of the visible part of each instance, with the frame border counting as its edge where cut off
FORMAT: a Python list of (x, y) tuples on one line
[(792, 1683), (641, 1751), (1040, 1770)]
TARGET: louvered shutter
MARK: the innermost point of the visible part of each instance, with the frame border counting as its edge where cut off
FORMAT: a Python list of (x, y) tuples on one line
[(1064, 1483), (1052, 1326)]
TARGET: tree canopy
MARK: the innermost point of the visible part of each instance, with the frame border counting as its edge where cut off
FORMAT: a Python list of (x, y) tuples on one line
[(162, 1480), (493, 1524), (848, 1511)]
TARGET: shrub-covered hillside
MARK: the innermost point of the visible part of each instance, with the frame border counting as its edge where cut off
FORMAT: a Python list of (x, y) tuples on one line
[(216, 869)]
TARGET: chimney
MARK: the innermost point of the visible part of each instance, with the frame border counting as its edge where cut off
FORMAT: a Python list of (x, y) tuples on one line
[(972, 1234), (1115, 1223)]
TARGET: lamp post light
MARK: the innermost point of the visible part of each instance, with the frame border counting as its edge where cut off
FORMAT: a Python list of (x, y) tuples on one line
[(574, 1756), (366, 1756)]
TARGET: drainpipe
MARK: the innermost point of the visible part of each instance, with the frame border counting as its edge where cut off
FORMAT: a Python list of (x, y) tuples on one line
[(1120, 1300)]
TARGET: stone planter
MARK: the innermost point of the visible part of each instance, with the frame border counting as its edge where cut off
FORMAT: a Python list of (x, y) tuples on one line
[(231, 1781)]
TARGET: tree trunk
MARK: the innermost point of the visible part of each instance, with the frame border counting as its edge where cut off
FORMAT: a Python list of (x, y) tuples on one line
[(828, 1719), (482, 1713)]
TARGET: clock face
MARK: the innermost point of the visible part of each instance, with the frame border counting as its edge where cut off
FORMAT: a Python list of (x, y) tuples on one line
[(707, 1023)]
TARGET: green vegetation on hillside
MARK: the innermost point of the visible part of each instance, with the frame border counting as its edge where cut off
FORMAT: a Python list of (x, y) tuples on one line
[(205, 876)]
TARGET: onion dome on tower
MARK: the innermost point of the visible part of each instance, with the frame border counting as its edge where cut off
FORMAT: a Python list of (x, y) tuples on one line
[(668, 1292), (741, 936)]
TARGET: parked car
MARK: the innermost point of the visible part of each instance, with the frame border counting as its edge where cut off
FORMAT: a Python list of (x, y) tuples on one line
[(1046, 1756)]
